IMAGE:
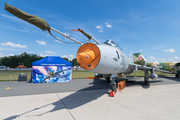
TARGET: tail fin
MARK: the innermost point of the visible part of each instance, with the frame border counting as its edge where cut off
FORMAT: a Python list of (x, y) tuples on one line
[(138, 58)]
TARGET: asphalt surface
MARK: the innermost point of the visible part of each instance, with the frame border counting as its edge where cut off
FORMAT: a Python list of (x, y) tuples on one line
[(85, 99), (25, 88)]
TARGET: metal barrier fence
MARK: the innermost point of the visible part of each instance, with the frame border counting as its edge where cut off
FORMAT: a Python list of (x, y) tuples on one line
[(13, 75)]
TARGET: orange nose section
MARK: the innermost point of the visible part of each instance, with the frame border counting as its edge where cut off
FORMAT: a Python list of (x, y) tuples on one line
[(88, 56)]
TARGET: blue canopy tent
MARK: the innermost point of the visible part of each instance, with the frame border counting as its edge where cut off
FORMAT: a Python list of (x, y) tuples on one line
[(51, 69)]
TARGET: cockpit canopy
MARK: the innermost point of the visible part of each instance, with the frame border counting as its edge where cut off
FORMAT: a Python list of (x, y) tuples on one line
[(112, 43)]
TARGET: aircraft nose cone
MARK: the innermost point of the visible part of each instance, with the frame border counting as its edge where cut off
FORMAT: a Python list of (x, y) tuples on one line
[(87, 56)]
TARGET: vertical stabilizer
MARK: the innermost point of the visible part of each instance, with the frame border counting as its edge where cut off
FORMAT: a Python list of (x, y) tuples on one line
[(138, 58)]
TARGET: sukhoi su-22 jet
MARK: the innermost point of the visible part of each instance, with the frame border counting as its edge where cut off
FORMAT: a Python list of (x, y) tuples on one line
[(105, 58)]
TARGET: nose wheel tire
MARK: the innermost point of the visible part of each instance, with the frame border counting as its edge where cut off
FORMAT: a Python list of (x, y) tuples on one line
[(113, 87)]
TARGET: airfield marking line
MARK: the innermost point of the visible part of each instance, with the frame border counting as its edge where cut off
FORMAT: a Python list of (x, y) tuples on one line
[(65, 106)]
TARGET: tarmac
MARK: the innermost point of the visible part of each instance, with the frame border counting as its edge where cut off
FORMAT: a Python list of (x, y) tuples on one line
[(88, 99)]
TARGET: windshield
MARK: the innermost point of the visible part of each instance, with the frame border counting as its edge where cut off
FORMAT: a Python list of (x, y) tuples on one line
[(106, 42), (111, 43)]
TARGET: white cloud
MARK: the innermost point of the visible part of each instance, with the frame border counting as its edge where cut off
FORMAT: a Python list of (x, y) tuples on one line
[(64, 56), (50, 52), (1, 49), (14, 45), (41, 42), (140, 50), (163, 60), (20, 53), (108, 25), (42, 55), (47, 55), (170, 50), (2, 55), (99, 27), (171, 59), (11, 54), (152, 59), (177, 57), (71, 57)]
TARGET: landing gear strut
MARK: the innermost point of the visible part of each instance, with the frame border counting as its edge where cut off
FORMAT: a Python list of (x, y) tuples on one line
[(113, 87), (146, 77), (177, 76), (108, 79)]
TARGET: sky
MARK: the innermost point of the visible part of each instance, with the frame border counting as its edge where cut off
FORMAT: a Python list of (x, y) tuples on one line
[(139, 26)]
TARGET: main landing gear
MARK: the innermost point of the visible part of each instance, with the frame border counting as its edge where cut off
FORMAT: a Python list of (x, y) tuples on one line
[(177, 75), (146, 77)]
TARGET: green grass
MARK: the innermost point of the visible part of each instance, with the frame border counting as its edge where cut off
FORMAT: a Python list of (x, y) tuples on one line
[(81, 74), (77, 74), (141, 74), (13, 75)]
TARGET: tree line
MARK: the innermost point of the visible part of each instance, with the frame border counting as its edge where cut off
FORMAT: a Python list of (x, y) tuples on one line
[(26, 60)]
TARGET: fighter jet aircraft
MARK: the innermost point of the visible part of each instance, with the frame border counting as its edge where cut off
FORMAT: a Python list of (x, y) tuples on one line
[(105, 58), (109, 59)]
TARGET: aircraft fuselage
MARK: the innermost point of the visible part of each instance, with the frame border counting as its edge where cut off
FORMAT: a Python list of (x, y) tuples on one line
[(113, 60), (106, 58)]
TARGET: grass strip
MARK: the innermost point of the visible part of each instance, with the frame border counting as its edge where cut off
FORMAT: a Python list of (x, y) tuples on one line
[(76, 74)]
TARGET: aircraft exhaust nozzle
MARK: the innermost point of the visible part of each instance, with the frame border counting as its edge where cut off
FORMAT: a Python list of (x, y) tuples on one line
[(88, 56)]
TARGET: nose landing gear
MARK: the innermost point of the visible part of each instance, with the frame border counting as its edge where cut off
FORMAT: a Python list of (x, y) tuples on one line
[(113, 87)]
